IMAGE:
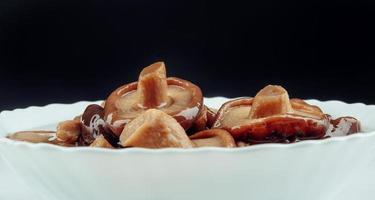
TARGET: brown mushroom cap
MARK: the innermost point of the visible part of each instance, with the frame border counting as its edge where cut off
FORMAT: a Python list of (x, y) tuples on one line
[(271, 112), (213, 138), (177, 97), (154, 129)]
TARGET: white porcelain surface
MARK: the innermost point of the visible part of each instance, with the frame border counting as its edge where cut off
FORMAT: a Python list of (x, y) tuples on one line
[(336, 168)]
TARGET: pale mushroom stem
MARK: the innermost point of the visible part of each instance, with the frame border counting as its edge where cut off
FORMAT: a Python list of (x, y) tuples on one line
[(152, 86), (271, 100)]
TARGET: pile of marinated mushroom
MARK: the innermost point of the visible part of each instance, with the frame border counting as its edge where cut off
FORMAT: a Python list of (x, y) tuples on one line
[(160, 112)]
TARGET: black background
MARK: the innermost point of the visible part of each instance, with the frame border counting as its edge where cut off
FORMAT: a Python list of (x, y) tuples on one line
[(69, 50)]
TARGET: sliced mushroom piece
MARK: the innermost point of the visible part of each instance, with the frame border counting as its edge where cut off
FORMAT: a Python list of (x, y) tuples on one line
[(34, 136), (68, 131), (177, 97), (154, 129), (343, 126), (101, 142), (92, 123), (213, 138), (211, 115), (200, 123), (38, 136), (93, 126), (204, 121), (271, 114)]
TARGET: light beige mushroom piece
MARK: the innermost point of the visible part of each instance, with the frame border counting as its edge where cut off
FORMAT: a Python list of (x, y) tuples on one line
[(154, 129), (68, 131), (101, 142), (38, 136), (213, 138), (34, 136)]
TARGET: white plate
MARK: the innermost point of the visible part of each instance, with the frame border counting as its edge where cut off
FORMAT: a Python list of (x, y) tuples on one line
[(319, 169)]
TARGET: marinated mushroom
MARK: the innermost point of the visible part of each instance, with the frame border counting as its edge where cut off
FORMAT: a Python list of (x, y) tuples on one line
[(213, 138), (34, 136), (177, 97), (92, 123), (271, 115), (211, 116), (38, 137), (93, 126), (68, 131), (101, 142), (159, 112), (343, 126), (200, 123), (154, 129)]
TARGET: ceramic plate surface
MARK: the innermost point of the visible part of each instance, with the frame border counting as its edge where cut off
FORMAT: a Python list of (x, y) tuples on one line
[(315, 169)]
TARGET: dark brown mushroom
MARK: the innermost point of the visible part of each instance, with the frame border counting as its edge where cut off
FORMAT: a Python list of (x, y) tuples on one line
[(200, 123), (179, 98), (154, 129), (204, 121), (93, 125), (211, 116), (343, 126), (271, 114), (213, 138)]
